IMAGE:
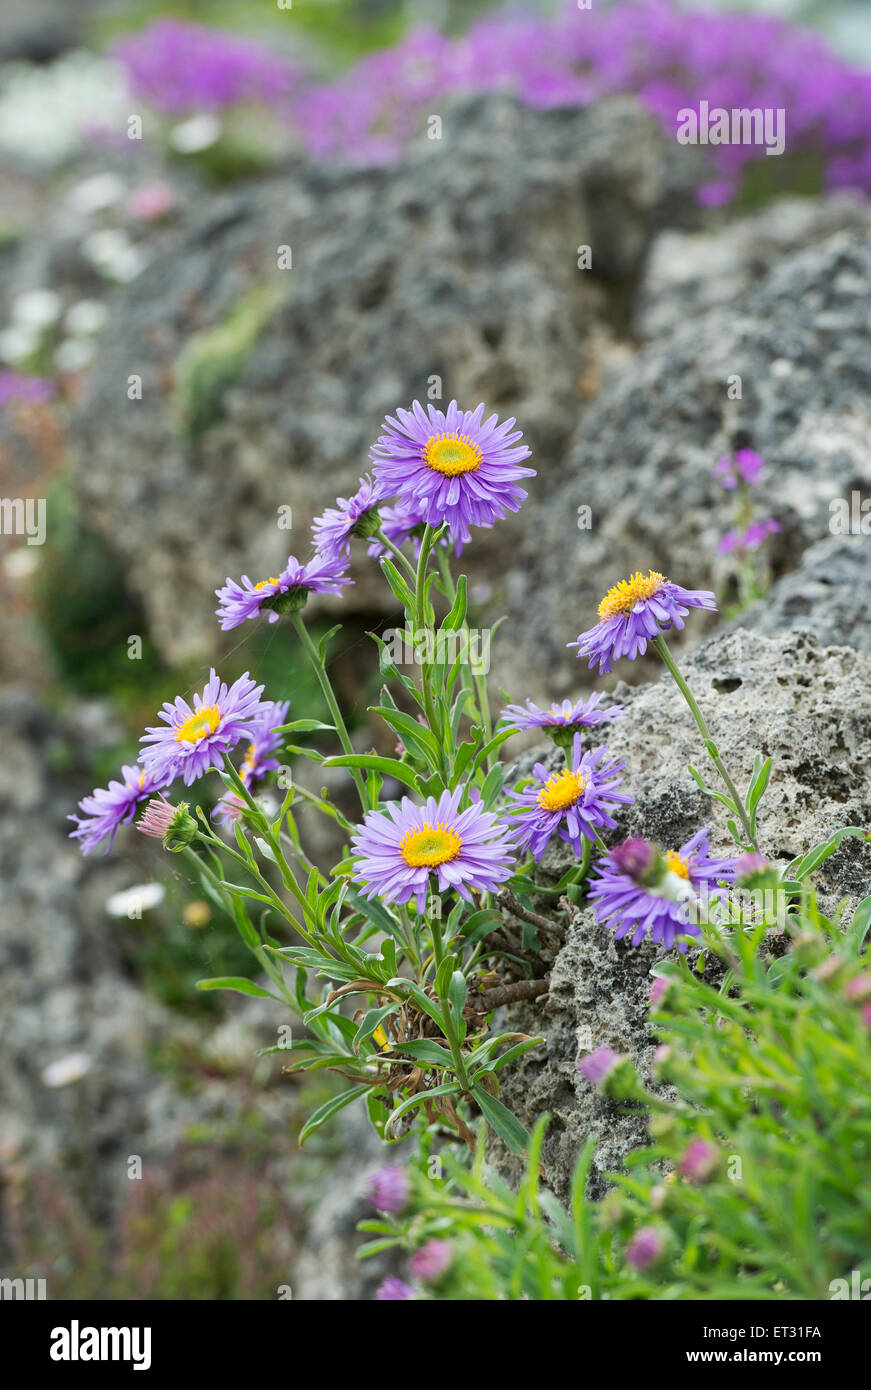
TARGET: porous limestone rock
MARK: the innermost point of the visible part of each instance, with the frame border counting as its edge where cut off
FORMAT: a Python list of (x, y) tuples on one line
[(805, 705)]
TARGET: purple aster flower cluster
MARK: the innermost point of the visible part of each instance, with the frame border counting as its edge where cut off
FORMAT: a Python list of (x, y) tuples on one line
[(670, 58), (640, 891), (181, 67), (194, 738), (563, 721), (107, 808), (286, 592), (397, 850), (451, 466), (633, 612), (573, 804)]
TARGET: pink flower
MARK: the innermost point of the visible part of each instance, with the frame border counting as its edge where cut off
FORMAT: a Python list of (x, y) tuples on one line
[(388, 1189), (645, 1248), (394, 1290), (598, 1065), (699, 1161), (431, 1260)]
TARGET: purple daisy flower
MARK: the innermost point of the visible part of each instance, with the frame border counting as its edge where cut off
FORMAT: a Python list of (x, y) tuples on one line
[(397, 850), (351, 516), (258, 760), (634, 611), (108, 807), (399, 523), (264, 742), (285, 593), (452, 465), (196, 739), (573, 803), (655, 893), (563, 721)]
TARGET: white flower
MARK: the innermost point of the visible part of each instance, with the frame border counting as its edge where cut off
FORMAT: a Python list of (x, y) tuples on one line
[(45, 107), (74, 354), (132, 902), (196, 133), (36, 309), (85, 318), (66, 1069), (97, 193)]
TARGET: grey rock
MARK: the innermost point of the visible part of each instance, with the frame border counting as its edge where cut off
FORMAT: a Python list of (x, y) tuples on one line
[(642, 456), (830, 593), (806, 706), (460, 262)]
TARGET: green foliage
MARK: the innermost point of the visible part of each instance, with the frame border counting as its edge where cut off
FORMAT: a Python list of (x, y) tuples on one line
[(212, 359), (757, 1180)]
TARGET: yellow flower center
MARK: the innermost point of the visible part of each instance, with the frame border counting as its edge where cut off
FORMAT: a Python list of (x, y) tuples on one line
[(142, 779), (204, 722), (676, 864), (561, 790), (451, 454), (624, 596), (263, 583), (430, 846), (250, 757)]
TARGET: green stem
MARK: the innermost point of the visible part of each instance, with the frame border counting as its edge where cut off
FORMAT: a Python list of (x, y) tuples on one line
[(320, 671), (450, 1031), (711, 747), (479, 682), (421, 618), (275, 974), (397, 552)]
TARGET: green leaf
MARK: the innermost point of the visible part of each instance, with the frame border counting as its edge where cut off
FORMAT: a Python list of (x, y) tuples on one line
[(238, 984), (457, 991), (329, 1109), (500, 1118), (416, 736), (424, 1050), (305, 726), (326, 640), (370, 1022), (391, 767), (457, 615), (398, 584), (448, 1088), (758, 783)]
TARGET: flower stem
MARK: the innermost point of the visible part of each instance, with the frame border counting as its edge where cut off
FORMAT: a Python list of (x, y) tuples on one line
[(711, 747), (395, 550), (320, 671), (421, 618)]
